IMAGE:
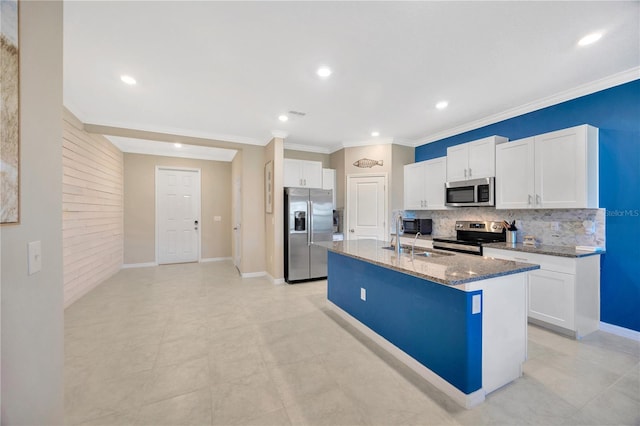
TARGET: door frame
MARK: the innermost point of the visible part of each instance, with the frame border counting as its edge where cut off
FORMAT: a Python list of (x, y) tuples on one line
[(351, 176), (198, 208), (237, 223)]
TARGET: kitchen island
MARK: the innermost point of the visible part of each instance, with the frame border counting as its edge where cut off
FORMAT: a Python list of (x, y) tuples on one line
[(460, 321)]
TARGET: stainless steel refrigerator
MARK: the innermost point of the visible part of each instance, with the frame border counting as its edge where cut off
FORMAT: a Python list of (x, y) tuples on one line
[(308, 218)]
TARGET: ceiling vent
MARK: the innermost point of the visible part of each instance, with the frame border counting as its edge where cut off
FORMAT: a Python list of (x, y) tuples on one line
[(298, 113)]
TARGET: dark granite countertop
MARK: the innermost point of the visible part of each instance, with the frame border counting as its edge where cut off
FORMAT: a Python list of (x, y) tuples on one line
[(445, 267), (562, 251)]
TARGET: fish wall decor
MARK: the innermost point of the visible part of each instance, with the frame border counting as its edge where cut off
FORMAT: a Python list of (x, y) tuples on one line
[(366, 163)]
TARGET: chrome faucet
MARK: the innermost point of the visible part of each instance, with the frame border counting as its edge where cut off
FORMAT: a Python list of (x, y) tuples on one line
[(399, 231), (413, 247)]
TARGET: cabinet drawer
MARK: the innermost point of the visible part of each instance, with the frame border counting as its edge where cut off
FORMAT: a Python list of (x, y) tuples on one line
[(550, 263)]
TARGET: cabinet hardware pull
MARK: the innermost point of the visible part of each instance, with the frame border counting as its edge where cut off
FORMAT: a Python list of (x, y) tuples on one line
[(465, 173), (469, 171), (530, 199), (537, 199)]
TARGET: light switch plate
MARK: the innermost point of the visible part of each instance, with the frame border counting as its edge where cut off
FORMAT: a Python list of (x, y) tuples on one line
[(217, 218), (363, 294), (476, 304), (34, 257)]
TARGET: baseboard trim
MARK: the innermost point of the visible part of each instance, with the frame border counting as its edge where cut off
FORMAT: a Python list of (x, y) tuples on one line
[(214, 259), (620, 331), (138, 265), (253, 274), (466, 401), (275, 281)]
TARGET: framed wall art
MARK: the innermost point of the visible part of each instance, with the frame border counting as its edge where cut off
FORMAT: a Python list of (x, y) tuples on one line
[(9, 114), (268, 187)]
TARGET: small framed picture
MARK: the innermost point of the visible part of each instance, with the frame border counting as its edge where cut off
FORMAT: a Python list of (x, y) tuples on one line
[(268, 187)]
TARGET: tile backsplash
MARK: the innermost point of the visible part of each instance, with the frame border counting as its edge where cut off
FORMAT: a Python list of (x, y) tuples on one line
[(558, 227)]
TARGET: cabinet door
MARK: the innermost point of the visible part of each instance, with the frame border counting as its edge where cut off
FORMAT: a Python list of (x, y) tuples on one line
[(414, 186), (435, 175), (292, 178), (551, 297), (514, 174), (482, 158), (457, 162), (329, 182), (311, 174), (560, 169)]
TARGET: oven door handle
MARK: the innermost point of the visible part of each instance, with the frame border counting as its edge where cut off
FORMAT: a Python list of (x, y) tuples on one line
[(446, 246)]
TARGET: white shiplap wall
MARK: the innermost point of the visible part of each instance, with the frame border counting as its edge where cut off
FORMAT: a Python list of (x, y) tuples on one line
[(92, 209)]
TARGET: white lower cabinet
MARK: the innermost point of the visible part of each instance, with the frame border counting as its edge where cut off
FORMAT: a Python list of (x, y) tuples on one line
[(564, 294), (551, 297)]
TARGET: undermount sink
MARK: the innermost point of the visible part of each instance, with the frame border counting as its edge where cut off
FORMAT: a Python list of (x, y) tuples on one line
[(420, 251), (429, 253)]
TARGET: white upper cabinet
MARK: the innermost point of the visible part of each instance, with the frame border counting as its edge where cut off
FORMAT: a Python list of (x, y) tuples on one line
[(424, 184), (302, 173), (473, 160), (515, 186), (329, 182), (554, 170)]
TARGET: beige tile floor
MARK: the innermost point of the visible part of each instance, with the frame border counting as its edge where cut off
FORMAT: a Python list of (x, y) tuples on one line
[(194, 344)]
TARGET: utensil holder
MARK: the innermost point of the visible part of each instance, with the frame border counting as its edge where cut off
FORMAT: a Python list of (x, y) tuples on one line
[(511, 237)]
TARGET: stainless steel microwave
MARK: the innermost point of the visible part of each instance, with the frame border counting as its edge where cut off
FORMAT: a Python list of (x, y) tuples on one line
[(475, 192)]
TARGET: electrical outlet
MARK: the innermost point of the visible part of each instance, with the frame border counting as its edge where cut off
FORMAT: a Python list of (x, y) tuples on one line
[(363, 294), (555, 226)]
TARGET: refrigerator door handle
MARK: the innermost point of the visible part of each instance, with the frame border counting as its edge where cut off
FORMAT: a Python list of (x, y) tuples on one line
[(310, 222)]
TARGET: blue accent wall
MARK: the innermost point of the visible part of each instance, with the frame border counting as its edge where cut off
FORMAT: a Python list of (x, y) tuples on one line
[(616, 112), (430, 322)]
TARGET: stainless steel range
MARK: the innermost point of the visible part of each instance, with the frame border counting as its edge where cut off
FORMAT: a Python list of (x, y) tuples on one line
[(470, 235)]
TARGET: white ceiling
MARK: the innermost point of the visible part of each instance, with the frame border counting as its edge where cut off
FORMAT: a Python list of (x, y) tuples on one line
[(227, 70)]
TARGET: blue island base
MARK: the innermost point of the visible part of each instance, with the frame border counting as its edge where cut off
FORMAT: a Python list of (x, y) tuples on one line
[(466, 341)]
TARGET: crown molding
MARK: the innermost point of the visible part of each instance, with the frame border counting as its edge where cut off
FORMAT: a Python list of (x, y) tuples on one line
[(180, 132), (279, 134), (367, 142), (405, 142), (307, 148), (582, 90)]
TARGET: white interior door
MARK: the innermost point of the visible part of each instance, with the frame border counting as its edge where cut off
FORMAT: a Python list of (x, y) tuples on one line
[(237, 231), (367, 207), (178, 215)]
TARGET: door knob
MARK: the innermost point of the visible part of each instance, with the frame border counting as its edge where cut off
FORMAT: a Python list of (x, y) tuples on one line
[(351, 230)]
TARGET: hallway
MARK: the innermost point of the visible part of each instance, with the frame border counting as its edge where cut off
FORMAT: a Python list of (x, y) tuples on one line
[(196, 344)]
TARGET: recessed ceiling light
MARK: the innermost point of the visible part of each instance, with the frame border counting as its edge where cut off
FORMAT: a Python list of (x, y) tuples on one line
[(128, 79), (177, 145), (442, 104), (375, 134), (589, 39), (324, 72), (283, 118)]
